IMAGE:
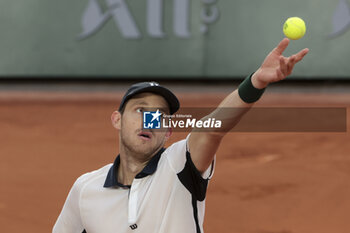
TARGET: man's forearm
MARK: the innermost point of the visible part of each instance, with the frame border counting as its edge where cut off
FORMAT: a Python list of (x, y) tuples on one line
[(235, 105)]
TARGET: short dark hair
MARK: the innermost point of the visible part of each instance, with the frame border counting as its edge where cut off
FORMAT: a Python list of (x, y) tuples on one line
[(122, 109)]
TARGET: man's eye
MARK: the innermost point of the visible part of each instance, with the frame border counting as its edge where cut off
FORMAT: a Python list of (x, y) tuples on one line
[(139, 110)]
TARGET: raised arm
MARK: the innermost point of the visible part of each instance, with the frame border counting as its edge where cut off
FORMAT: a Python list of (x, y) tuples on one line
[(276, 67)]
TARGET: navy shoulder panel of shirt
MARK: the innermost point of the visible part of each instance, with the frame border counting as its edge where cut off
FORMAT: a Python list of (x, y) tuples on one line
[(191, 178)]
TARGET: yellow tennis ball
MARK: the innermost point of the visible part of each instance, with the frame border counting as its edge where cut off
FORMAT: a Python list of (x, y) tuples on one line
[(294, 28)]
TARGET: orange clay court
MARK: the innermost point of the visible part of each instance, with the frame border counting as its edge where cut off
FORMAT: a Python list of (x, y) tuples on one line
[(263, 182)]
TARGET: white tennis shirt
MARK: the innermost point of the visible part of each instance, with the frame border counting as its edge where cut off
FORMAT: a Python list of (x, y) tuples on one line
[(167, 196)]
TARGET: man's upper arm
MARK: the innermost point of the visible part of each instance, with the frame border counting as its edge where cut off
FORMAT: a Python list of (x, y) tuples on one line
[(203, 144), (202, 147)]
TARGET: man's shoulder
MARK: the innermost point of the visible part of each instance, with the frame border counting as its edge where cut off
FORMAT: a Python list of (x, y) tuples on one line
[(175, 155), (177, 147), (93, 175)]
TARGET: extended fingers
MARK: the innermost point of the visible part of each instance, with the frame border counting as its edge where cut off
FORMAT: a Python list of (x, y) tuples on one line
[(282, 46), (290, 64), (292, 60), (299, 56), (286, 66)]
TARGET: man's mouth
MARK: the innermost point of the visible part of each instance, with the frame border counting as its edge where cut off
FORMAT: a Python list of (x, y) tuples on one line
[(145, 135)]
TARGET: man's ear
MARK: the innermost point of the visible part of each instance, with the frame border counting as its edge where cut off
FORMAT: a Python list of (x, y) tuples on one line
[(168, 133), (116, 119)]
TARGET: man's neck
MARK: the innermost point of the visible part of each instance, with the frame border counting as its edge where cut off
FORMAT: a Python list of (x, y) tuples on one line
[(131, 164), (129, 167)]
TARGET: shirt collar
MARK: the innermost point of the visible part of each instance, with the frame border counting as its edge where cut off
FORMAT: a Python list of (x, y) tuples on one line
[(149, 169)]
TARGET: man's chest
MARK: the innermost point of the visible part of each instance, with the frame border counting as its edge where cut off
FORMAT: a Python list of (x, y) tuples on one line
[(149, 204)]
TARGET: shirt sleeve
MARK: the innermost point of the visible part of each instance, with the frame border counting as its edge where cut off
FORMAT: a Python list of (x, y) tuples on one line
[(181, 161), (69, 220)]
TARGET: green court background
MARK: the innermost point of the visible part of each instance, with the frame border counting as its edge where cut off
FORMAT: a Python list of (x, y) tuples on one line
[(39, 39)]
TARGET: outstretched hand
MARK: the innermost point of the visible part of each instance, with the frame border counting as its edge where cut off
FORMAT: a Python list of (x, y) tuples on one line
[(276, 67)]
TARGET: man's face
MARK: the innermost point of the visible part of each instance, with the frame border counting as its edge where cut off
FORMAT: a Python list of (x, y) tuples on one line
[(142, 142)]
